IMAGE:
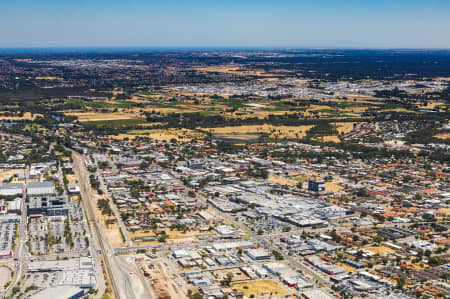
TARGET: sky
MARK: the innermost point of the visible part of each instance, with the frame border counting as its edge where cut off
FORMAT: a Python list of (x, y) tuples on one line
[(225, 23)]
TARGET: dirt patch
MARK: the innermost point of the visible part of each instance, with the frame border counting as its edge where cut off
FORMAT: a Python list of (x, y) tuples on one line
[(9, 173), (260, 288), (381, 250), (5, 276), (112, 231), (282, 180)]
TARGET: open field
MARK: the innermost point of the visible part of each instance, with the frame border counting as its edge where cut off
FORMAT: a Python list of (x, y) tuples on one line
[(96, 116), (260, 288), (344, 127), (271, 130), (26, 116), (329, 138), (8, 173), (173, 235), (112, 230), (443, 136), (333, 187), (237, 70), (282, 180), (161, 134), (381, 250)]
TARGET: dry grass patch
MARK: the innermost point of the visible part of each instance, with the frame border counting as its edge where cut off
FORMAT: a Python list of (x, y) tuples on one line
[(260, 288), (344, 127), (329, 138), (271, 130), (282, 180), (96, 116), (162, 134), (381, 250), (112, 231), (442, 136), (8, 173), (347, 267), (333, 187), (26, 116)]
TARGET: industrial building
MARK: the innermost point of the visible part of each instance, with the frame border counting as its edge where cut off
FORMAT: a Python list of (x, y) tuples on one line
[(258, 254), (63, 292), (40, 188), (11, 189)]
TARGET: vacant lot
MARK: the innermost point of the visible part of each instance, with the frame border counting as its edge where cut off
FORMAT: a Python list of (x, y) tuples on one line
[(333, 187), (112, 230), (381, 250), (260, 288), (282, 180), (5, 276), (8, 173), (237, 274)]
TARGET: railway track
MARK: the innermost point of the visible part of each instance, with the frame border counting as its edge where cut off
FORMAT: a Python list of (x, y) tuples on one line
[(87, 200)]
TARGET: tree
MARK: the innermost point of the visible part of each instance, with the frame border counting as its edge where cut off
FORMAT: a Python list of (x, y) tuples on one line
[(401, 281), (197, 296)]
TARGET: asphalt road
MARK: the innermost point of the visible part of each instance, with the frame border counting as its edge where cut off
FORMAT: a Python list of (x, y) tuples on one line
[(20, 253)]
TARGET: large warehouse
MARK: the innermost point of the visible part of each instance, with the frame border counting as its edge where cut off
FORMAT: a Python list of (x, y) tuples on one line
[(40, 188), (11, 189)]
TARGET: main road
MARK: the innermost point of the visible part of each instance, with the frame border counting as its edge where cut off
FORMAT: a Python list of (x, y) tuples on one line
[(20, 253)]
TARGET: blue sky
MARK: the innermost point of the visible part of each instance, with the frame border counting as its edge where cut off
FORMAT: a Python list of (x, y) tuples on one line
[(225, 23)]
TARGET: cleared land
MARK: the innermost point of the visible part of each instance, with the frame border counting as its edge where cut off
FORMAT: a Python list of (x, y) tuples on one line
[(260, 288), (381, 250), (112, 230), (9, 173), (5, 276), (282, 180)]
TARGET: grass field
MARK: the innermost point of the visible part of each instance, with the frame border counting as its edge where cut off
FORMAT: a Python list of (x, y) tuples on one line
[(162, 134), (26, 116), (99, 116), (271, 130), (260, 288)]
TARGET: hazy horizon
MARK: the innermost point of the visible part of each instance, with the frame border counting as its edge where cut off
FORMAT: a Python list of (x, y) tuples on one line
[(353, 24)]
